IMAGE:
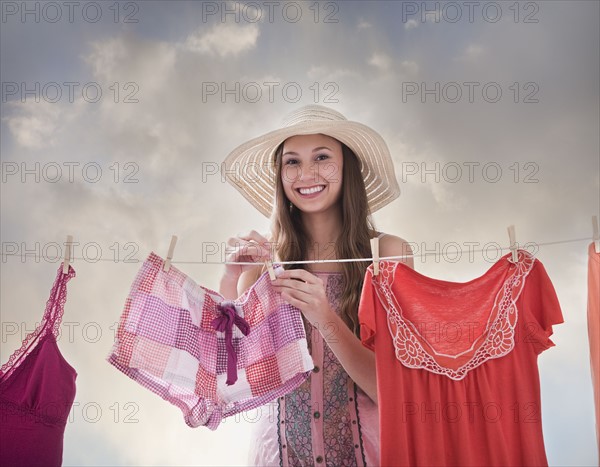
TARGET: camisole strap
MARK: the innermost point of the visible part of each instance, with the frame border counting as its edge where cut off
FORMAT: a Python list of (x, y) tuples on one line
[(49, 325)]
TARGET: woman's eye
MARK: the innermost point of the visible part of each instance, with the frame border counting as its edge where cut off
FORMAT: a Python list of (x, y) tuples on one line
[(289, 161), (322, 157)]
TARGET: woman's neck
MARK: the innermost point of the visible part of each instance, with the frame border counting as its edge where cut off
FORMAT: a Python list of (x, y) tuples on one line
[(322, 228)]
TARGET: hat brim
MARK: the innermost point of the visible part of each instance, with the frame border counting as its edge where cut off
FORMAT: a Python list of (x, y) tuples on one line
[(249, 167)]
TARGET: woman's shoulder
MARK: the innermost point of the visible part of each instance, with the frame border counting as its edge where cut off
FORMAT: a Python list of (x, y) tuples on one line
[(392, 245)]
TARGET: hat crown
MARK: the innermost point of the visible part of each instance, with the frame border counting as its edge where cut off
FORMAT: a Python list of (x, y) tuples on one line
[(312, 113)]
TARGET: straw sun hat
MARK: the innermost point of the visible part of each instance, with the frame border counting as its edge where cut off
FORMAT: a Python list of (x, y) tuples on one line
[(249, 167)]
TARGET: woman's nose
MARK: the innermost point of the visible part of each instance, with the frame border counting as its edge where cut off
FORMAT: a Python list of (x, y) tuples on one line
[(309, 173), (301, 172)]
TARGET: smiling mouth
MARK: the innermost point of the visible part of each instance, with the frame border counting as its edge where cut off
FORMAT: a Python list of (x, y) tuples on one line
[(311, 190)]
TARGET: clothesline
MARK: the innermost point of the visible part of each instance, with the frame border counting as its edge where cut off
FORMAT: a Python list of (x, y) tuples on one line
[(455, 251)]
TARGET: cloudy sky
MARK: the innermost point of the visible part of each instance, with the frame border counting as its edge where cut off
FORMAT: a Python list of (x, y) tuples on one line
[(116, 116)]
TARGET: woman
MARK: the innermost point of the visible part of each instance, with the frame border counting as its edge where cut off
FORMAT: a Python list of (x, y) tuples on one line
[(326, 175)]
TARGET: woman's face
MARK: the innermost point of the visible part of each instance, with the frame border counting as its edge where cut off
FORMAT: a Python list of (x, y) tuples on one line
[(311, 171)]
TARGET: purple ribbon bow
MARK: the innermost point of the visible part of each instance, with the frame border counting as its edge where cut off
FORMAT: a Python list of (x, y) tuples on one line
[(224, 323)]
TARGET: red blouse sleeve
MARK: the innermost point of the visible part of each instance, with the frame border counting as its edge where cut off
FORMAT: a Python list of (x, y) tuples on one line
[(366, 312), (541, 309)]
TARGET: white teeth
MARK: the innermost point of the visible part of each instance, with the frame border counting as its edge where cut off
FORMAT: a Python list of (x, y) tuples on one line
[(308, 191)]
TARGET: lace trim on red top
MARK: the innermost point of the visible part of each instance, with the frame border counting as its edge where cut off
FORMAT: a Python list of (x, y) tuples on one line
[(498, 336), (50, 323)]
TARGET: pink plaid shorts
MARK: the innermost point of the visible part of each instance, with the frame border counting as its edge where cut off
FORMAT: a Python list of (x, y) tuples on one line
[(209, 356)]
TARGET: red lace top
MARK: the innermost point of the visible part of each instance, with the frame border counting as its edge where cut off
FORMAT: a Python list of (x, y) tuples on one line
[(37, 389), (457, 373)]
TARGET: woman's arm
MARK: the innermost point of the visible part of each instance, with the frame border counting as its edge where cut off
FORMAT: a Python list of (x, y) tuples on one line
[(228, 287), (233, 285), (357, 360), (390, 245), (308, 295), (251, 247)]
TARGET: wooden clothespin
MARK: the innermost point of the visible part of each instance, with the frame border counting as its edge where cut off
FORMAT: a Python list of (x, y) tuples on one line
[(375, 253), (596, 234), (513, 243), (167, 264), (269, 266), (67, 259)]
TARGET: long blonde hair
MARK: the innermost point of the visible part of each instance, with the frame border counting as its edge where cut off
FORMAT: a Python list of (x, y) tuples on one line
[(291, 241)]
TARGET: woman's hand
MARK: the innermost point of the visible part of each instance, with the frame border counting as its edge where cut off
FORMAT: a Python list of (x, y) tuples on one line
[(252, 247), (306, 292)]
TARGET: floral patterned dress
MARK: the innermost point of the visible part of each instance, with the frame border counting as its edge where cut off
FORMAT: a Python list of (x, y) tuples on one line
[(328, 420)]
